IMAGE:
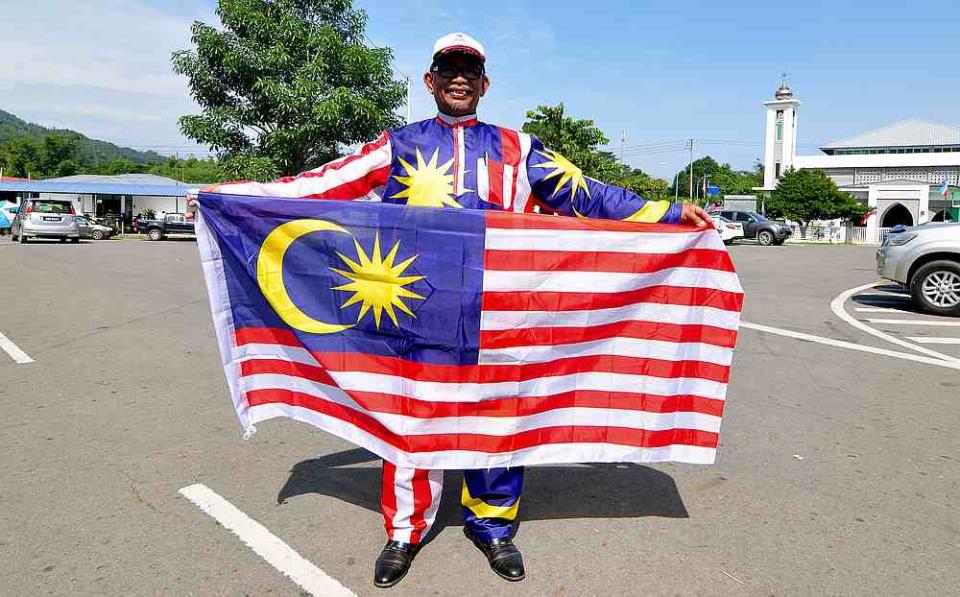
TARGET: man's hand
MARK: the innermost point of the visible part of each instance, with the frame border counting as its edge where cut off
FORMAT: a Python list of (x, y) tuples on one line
[(695, 215), (192, 200)]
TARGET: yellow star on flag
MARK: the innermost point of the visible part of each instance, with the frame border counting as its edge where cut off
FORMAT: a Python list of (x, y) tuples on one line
[(376, 282)]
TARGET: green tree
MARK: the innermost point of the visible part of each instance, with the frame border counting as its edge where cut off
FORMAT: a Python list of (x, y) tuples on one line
[(59, 153), (805, 195), (704, 166), (638, 181), (286, 85), (576, 140), (22, 158), (730, 181)]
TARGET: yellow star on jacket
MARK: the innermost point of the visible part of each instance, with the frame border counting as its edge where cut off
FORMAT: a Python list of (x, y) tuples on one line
[(376, 282), (428, 185), (566, 170)]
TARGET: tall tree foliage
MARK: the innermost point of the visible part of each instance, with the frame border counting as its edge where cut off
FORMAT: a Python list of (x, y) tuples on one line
[(805, 195), (57, 154), (286, 85)]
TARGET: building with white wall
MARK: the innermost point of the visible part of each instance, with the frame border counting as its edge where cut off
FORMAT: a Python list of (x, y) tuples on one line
[(123, 196), (898, 170)]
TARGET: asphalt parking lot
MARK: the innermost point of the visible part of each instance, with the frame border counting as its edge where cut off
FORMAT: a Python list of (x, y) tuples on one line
[(838, 471)]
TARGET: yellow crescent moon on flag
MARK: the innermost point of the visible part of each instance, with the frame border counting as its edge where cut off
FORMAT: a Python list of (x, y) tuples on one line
[(270, 274)]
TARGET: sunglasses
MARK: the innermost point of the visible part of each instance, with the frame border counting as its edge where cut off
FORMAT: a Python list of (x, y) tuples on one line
[(451, 71)]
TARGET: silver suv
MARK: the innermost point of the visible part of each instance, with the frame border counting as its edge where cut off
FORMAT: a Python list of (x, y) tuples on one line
[(926, 260), (45, 218)]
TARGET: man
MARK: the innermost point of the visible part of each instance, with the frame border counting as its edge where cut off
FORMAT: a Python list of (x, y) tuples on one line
[(456, 161)]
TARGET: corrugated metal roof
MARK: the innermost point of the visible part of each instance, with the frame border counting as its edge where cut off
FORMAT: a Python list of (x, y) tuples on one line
[(101, 188), (907, 133), (135, 179)]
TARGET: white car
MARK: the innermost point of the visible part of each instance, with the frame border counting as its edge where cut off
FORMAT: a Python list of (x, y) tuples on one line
[(728, 230)]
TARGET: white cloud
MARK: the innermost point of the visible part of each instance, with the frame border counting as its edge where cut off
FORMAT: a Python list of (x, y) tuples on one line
[(98, 66)]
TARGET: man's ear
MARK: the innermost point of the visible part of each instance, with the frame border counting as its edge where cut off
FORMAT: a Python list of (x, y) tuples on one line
[(428, 81), (484, 86)]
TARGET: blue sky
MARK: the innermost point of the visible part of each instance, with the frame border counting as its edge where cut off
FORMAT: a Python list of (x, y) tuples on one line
[(656, 70)]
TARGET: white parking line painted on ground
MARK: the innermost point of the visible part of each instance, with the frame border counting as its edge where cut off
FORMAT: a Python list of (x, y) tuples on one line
[(836, 305), (265, 544), (949, 364), (880, 310), (949, 324), (927, 340), (14, 351)]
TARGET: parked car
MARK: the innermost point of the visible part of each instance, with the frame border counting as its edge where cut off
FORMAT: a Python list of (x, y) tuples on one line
[(45, 218), (767, 232), (728, 230), (170, 224), (926, 260), (91, 229)]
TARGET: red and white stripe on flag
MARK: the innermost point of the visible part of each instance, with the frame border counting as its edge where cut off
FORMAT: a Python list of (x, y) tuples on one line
[(600, 342)]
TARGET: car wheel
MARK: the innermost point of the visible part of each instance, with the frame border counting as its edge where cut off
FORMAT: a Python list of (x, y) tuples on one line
[(97, 235), (765, 238), (155, 234), (936, 287)]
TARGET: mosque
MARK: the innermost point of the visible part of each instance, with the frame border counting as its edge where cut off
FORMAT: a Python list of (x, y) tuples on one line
[(898, 170)]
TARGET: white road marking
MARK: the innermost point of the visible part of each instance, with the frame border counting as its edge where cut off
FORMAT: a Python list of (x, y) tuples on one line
[(949, 364), (881, 310), (836, 305), (926, 340), (14, 351), (950, 324), (265, 544)]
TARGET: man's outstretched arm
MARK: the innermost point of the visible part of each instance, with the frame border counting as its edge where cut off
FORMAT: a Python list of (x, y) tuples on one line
[(359, 176), (560, 186)]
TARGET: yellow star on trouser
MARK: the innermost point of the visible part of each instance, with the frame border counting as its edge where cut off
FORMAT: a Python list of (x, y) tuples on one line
[(376, 282), (566, 170), (428, 185)]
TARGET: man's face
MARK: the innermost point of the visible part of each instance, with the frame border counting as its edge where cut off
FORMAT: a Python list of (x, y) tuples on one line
[(457, 82)]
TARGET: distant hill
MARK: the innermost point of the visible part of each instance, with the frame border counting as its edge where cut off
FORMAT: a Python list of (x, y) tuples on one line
[(93, 151)]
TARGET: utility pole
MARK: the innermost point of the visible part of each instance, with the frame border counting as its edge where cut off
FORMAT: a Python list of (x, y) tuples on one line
[(691, 169), (623, 141), (409, 98)]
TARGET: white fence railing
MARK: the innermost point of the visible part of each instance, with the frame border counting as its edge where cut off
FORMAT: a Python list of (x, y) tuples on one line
[(833, 233), (818, 232), (861, 235)]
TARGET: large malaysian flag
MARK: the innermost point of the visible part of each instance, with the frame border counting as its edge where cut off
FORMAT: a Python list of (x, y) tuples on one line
[(442, 338)]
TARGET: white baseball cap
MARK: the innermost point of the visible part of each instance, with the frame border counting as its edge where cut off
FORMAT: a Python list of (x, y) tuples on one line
[(459, 42)]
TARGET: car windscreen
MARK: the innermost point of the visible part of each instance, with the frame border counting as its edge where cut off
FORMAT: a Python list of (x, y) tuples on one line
[(757, 216), (51, 207)]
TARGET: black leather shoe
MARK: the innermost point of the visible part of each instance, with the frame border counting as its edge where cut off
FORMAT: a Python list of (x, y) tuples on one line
[(393, 563), (503, 555)]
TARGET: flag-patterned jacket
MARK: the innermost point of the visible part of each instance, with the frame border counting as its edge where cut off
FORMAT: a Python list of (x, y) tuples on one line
[(464, 163)]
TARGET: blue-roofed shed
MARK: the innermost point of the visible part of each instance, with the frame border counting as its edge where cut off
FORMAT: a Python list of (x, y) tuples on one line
[(99, 195)]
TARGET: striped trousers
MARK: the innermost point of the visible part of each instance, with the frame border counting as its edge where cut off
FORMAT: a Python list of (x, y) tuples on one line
[(410, 498)]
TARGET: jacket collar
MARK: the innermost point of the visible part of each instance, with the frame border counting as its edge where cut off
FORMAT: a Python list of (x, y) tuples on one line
[(446, 120)]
